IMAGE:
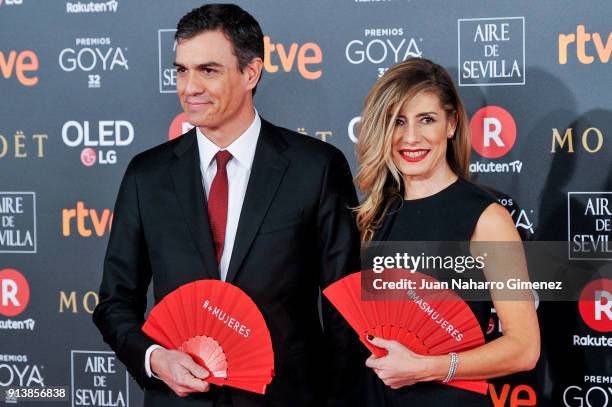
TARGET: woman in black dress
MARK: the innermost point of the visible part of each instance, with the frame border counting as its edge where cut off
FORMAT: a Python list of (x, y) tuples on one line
[(413, 153)]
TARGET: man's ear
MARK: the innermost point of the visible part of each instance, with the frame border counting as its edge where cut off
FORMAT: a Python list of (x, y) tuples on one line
[(253, 72)]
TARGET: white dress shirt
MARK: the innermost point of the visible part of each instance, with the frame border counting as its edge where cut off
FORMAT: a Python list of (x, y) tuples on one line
[(238, 173)]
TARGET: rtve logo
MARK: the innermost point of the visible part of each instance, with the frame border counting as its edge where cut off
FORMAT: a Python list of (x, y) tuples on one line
[(14, 292), (22, 64), (493, 131), (87, 221), (513, 396), (595, 305), (581, 39), (307, 57)]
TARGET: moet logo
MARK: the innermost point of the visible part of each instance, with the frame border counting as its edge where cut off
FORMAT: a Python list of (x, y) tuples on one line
[(592, 140)]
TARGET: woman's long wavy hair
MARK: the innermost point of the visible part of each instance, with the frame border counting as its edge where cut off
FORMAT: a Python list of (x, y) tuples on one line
[(378, 178)]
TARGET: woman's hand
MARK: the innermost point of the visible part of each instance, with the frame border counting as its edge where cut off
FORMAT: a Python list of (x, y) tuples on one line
[(401, 366)]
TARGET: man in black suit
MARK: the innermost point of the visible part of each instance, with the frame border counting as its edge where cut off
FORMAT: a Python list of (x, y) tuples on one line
[(239, 199)]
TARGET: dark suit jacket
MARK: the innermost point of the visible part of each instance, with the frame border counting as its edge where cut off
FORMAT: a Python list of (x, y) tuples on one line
[(295, 236)]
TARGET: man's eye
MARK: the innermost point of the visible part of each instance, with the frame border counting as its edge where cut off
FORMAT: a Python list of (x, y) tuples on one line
[(180, 69)]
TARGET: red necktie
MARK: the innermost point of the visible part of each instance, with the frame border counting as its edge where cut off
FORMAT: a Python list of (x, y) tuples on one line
[(217, 202)]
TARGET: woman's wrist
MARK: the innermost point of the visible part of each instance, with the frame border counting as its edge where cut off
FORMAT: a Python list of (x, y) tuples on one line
[(437, 368)]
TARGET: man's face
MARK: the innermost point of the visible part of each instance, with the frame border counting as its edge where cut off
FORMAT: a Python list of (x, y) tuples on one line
[(210, 86)]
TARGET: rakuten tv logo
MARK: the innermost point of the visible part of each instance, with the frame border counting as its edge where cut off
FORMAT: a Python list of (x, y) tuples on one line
[(86, 222), (22, 64), (595, 305), (493, 131), (14, 293), (493, 135), (179, 126)]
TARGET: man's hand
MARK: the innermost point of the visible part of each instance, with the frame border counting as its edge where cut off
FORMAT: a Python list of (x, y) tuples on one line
[(179, 371)]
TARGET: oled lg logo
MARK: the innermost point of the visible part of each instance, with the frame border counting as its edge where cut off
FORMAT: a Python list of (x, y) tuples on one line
[(493, 135), (96, 56), (584, 42), (100, 146), (22, 64), (383, 47)]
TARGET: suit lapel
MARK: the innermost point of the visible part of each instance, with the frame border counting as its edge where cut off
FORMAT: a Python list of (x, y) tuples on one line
[(266, 174), (187, 179)]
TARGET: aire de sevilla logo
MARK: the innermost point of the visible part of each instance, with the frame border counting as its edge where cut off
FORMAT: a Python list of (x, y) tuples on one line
[(14, 292), (493, 131), (595, 305), (179, 126)]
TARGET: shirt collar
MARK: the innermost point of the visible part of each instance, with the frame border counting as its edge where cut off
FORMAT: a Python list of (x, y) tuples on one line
[(242, 149)]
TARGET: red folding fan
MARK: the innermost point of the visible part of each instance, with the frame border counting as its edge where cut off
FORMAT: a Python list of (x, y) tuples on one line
[(420, 321), (221, 328)]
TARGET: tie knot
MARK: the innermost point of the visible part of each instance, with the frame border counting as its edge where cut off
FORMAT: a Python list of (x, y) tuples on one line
[(222, 157)]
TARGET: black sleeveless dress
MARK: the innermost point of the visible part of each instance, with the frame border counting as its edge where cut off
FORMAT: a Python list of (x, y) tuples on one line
[(449, 215)]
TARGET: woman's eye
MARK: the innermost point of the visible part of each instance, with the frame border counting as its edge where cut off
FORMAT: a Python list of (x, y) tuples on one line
[(399, 122), (428, 119)]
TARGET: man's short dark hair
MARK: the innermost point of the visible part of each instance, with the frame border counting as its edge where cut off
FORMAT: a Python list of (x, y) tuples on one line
[(239, 27)]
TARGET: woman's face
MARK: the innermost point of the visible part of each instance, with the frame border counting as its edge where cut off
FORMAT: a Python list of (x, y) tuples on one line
[(419, 138)]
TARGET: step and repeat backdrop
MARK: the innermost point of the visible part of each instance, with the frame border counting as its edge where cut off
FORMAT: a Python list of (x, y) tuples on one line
[(87, 84)]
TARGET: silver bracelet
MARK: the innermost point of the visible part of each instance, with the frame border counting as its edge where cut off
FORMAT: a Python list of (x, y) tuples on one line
[(452, 368)]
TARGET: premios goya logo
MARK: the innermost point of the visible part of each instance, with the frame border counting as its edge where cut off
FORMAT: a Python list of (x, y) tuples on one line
[(94, 58), (99, 141), (19, 371), (382, 48), (491, 51)]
